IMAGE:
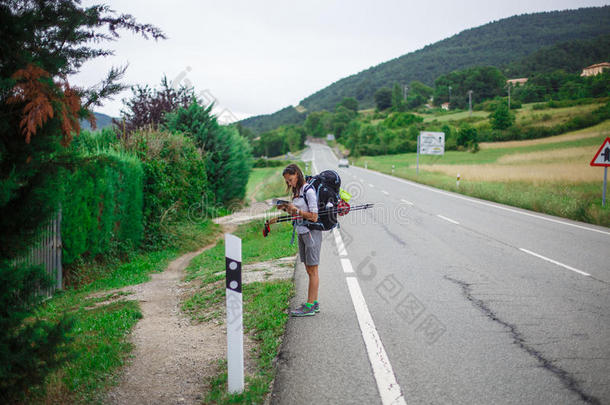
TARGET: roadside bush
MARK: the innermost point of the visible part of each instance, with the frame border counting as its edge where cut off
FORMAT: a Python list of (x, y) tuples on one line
[(175, 181), (228, 155), (102, 206), (501, 117), (468, 138), (401, 120)]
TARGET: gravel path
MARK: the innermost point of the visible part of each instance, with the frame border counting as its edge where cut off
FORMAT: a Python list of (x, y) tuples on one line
[(172, 356)]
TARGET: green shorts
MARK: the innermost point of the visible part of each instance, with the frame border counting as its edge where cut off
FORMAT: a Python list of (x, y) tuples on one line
[(310, 244)]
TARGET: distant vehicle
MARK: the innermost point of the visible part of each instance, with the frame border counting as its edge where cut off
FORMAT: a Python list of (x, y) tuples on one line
[(343, 163)]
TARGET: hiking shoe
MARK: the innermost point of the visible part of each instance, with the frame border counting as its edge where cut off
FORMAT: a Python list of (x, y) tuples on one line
[(304, 311)]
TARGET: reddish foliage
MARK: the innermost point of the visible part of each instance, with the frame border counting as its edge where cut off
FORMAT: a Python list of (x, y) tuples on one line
[(40, 96)]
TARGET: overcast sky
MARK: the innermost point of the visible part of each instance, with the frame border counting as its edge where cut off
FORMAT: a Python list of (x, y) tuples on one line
[(256, 57)]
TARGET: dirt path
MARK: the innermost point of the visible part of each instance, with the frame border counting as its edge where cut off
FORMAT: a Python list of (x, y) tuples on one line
[(172, 356)]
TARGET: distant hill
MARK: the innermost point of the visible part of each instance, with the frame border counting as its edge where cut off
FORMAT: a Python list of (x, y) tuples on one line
[(570, 56), (102, 121), (497, 44)]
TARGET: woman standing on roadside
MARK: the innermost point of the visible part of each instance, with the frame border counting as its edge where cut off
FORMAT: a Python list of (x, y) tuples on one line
[(305, 205)]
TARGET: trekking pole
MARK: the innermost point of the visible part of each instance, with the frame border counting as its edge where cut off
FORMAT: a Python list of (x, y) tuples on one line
[(332, 210)]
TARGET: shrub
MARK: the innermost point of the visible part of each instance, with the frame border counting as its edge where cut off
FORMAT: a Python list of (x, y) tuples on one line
[(401, 120), (175, 181), (501, 118), (102, 207), (228, 155)]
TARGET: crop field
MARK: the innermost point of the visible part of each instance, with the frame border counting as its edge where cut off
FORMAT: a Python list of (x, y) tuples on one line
[(550, 175)]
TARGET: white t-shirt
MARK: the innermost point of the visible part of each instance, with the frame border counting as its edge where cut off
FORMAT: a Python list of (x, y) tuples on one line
[(310, 206)]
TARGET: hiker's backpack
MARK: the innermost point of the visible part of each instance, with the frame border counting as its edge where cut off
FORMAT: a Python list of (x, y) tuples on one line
[(327, 186)]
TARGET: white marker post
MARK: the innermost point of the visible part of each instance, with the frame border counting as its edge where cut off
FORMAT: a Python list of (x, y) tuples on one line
[(235, 328)]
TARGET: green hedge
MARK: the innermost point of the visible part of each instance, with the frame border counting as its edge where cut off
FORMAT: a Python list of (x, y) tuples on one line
[(176, 185), (102, 205)]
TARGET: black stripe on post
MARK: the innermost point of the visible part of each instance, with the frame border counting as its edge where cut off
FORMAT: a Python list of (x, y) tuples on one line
[(233, 274)]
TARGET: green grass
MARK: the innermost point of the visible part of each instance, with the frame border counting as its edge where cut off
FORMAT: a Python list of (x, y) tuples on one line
[(265, 183), (255, 248), (99, 347), (265, 305), (578, 201), (525, 115), (384, 162), (265, 316), (456, 116)]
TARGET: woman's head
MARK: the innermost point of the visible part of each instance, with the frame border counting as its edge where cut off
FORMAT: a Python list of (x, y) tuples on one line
[(294, 179)]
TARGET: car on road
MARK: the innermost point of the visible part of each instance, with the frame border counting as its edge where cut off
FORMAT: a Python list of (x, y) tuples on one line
[(343, 163)]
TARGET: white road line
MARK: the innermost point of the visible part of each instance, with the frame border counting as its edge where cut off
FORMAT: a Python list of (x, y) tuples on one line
[(487, 203), (347, 265), (555, 262), (406, 201), (388, 387), (448, 219), (340, 246), (370, 185), (389, 390), (385, 192)]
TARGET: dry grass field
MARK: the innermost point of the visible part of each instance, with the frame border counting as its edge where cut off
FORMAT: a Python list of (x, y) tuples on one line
[(550, 175)]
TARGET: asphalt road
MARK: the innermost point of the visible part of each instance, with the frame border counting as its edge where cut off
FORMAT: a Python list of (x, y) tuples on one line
[(436, 298)]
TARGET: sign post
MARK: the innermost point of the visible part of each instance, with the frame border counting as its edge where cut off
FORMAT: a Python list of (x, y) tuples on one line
[(430, 143), (602, 158), (235, 328)]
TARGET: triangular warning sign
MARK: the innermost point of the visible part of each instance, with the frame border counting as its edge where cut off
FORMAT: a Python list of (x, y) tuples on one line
[(602, 157)]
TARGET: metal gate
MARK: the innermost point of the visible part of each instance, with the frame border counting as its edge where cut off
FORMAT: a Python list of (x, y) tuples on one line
[(47, 251)]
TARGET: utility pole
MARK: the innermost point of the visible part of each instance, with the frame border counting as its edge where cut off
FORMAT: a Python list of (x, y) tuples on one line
[(405, 92), (449, 97), (508, 96), (469, 103)]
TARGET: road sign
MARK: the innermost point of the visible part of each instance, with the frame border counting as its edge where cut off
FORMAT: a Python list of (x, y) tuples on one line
[(432, 143), (602, 157)]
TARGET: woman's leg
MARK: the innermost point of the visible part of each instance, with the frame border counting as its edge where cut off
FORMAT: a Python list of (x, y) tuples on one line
[(314, 282)]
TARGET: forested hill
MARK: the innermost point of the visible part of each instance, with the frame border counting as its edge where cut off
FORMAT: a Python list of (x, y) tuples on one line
[(497, 44)]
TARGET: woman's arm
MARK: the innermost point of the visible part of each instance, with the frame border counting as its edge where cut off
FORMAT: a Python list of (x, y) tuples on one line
[(291, 209), (310, 216)]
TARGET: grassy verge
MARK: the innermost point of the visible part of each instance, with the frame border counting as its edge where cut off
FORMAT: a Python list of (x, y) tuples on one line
[(99, 347), (265, 305), (265, 315), (265, 183), (564, 196)]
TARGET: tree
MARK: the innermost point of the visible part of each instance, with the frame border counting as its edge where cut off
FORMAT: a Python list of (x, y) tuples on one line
[(398, 102), (502, 118), (383, 98), (227, 154), (42, 43), (486, 82), (350, 103), (340, 119), (468, 138), (147, 107), (315, 124)]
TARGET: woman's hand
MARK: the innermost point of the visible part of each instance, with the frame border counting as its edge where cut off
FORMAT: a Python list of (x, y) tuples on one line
[(289, 208)]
